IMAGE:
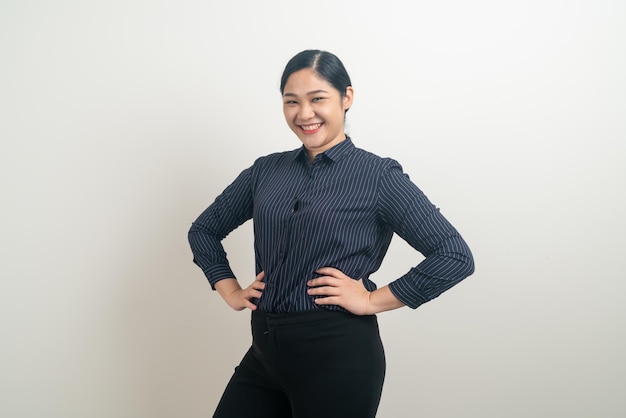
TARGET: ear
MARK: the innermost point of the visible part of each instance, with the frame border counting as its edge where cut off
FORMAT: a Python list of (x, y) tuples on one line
[(348, 98)]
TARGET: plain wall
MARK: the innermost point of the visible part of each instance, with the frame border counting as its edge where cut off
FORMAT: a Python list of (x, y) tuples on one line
[(120, 121)]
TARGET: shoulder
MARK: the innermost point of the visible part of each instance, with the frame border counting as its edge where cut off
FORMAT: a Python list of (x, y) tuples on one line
[(380, 164), (276, 158), (386, 172), (274, 164)]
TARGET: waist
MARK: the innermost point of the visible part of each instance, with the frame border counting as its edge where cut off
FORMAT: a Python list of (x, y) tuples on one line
[(302, 317)]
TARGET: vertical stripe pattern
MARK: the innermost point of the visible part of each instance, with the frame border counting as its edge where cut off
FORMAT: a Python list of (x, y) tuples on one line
[(339, 211)]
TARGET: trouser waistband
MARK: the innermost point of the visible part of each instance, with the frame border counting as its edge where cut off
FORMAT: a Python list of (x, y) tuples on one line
[(300, 317)]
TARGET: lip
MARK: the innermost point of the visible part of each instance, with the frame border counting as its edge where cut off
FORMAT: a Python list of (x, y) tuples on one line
[(310, 131)]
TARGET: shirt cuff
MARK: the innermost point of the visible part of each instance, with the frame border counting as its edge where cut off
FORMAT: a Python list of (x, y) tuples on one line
[(218, 272), (406, 294)]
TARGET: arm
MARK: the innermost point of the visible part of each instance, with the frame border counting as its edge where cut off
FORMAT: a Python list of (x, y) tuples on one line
[(381, 300), (405, 209), (230, 209), (448, 259)]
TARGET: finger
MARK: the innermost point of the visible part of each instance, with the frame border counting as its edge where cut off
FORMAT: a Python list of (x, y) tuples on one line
[(252, 293), (260, 276), (257, 285), (329, 271), (324, 281), (333, 272), (331, 300), (249, 296), (324, 291)]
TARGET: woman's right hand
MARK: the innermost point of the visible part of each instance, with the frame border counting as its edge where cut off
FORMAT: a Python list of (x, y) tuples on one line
[(238, 298)]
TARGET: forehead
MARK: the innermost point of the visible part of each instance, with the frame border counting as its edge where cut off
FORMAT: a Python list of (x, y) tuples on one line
[(305, 81)]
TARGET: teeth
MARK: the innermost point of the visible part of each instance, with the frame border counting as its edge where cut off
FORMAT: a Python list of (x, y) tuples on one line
[(311, 127)]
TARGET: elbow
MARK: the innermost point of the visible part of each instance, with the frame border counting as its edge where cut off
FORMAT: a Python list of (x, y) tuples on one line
[(195, 236), (468, 266), (191, 235), (461, 259)]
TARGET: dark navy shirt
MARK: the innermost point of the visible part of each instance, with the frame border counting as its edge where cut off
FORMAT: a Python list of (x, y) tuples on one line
[(339, 211)]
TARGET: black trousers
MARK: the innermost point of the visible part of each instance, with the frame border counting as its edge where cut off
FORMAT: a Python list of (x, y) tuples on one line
[(314, 364)]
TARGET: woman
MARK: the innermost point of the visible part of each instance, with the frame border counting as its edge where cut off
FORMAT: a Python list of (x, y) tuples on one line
[(324, 215)]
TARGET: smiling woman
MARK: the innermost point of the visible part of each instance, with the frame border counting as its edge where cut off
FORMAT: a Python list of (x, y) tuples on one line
[(315, 110), (324, 215)]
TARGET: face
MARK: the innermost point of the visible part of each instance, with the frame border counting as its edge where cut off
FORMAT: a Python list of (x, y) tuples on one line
[(314, 110)]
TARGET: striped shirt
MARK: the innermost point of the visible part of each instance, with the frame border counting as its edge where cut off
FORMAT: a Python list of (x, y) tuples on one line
[(339, 211)]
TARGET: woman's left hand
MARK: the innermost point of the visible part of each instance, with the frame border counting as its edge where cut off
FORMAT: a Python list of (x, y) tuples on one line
[(340, 289)]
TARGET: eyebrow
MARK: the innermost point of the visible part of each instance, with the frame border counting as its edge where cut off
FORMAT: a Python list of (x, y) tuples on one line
[(308, 94)]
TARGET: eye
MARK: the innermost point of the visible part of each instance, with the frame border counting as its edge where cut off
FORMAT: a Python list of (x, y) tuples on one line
[(290, 102), (317, 99)]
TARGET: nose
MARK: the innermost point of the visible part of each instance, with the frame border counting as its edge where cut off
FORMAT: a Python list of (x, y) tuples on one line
[(306, 112)]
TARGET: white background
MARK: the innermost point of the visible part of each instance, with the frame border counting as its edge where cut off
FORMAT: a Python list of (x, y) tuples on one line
[(120, 121)]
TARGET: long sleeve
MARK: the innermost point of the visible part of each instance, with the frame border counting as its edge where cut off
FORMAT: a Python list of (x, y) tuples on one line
[(448, 259), (231, 208), (341, 210)]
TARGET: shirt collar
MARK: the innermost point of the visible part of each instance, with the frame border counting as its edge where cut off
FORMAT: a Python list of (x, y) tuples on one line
[(333, 154)]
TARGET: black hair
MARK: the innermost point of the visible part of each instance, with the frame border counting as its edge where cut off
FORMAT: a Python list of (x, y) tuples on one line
[(324, 63)]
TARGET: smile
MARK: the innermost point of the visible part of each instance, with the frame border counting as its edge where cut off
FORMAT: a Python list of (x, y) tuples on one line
[(311, 129)]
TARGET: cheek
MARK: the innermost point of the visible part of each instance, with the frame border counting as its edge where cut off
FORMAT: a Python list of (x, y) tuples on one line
[(289, 119), (288, 113)]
